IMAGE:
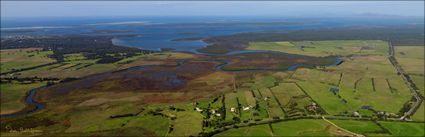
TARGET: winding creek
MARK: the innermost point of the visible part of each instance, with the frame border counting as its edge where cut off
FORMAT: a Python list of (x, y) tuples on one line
[(36, 106), (30, 103)]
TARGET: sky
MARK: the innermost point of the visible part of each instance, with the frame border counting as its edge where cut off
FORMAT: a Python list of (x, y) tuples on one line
[(23, 9)]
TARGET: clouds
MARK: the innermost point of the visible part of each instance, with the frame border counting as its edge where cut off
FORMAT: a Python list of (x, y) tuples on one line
[(208, 8)]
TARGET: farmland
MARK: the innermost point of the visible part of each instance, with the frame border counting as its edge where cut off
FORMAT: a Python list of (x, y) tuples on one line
[(412, 60), (187, 123), (262, 130), (361, 127), (15, 59), (319, 127), (77, 65), (325, 48), (287, 128), (356, 85), (404, 129), (245, 94)]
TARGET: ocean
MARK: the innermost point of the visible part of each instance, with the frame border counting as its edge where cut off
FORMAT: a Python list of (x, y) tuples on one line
[(154, 33)]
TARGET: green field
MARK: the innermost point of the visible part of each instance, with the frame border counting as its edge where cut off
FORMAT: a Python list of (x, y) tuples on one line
[(303, 128), (157, 124), (273, 108), (186, 124), (15, 59), (404, 129), (263, 82), (411, 58), (74, 65), (261, 130), (68, 69), (359, 127), (261, 110), (327, 100), (330, 78), (77, 65), (291, 98), (325, 48), (420, 113), (231, 102), (365, 81), (246, 100), (322, 128), (88, 120), (287, 128), (409, 52)]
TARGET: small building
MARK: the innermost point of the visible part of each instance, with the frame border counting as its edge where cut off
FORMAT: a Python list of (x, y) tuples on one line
[(232, 109), (246, 108), (198, 109), (356, 114)]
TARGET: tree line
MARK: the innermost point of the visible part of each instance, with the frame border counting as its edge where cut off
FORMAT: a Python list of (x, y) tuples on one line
[(93, 47)]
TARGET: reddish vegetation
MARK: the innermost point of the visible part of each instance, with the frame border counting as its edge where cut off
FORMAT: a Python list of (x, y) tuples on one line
[(25, 123), (160, 78), (176, 83), (149, 79)]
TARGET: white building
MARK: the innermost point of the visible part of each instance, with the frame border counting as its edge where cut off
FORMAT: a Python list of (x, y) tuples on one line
[(198, 109), (246, 108)]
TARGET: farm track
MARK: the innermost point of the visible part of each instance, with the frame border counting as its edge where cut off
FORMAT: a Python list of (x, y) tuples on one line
[(345, 130), (407, 81)]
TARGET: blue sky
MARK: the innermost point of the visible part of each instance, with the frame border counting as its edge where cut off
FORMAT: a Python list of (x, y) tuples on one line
[(210, 8)]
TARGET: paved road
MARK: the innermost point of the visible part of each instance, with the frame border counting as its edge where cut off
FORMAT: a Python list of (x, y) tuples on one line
[(407, 80)]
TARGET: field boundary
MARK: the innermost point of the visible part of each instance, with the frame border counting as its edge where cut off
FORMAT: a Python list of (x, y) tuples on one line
[(355, 134)]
